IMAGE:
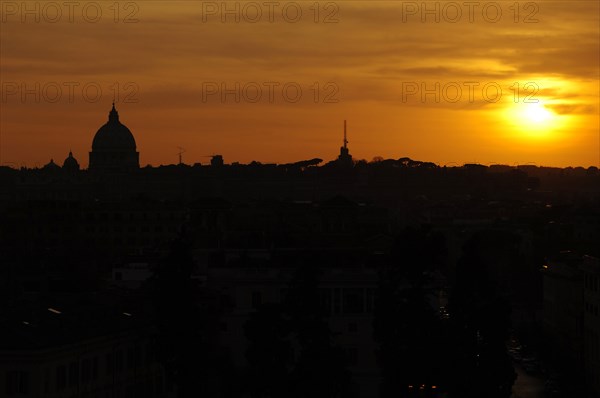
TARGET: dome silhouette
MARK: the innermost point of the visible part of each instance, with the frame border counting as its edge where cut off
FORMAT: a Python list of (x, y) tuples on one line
[(70, 163), (113, 147), (113, 135), (51, 166)]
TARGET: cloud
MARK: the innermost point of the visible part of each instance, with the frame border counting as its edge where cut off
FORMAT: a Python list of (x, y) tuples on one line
[(573, 109), (368, 54)]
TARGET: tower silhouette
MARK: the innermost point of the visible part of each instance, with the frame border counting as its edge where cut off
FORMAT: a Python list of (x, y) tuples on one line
[(345, 159)]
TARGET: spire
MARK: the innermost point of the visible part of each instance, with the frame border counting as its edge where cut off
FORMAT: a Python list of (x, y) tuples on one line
[(345, 159), (113, 116)]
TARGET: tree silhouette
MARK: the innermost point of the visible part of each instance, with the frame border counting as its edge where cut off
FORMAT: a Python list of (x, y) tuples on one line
[(291, 351), (269, 352), (187, 323), (406, 325), (320, 370), (480, 319)]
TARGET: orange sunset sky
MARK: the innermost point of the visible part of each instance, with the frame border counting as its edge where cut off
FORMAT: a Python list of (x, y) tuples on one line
[(371, 60)]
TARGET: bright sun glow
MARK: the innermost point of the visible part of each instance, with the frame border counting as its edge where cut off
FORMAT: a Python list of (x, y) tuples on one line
[(533, 117), (529, 116), (537, 113), (533, 120)]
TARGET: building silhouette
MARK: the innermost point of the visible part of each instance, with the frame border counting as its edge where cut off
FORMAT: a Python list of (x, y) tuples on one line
[(51, 166), (570, 316), (70, 164), (79, 247), (94, 345), (345, 159), (591, 321), (114, 148)]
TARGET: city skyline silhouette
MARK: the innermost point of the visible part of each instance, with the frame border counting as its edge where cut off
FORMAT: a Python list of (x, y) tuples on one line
[(114, 119), (297, 199), (213, 80)]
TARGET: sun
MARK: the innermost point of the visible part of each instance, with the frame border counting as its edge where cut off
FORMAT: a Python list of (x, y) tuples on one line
[(537, 113), (532, 115), (533, 120)]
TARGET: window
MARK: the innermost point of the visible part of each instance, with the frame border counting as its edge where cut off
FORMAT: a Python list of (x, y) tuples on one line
[(119, 361), (17, 382), (149, 352), (73, 373), (95, 368), (86, 370), (370, 303), (351, 354), (130, 360), (158, 382), (336, 301), (47, 380), (352, 327), (61, 377), (325, 299), (256, 299), (137, 356), (353, 301), (283, 294), (109, 363)]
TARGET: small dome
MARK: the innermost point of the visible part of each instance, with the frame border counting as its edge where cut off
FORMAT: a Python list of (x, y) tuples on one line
[(113, 135), (70, 163), (51, 166)]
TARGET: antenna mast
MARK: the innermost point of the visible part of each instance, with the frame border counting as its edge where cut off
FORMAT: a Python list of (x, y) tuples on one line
[(181, 152), (345, 140)]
